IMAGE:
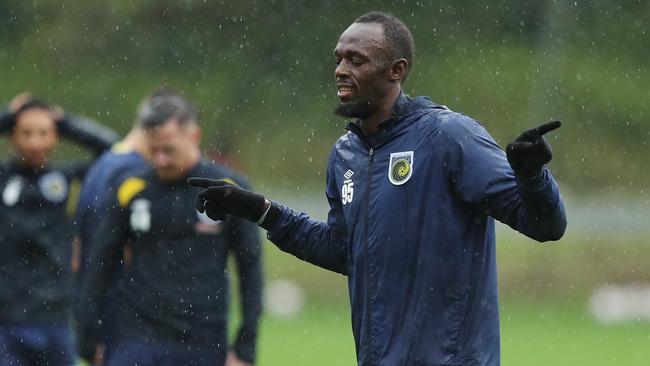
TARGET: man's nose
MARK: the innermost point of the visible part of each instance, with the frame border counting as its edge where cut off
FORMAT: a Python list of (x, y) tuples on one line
[(341, 70), (36, 142)]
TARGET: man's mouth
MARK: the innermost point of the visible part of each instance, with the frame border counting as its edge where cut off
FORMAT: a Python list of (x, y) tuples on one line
[(344, 91)]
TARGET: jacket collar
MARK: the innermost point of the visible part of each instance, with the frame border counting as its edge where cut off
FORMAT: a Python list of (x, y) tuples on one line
[(404, 105)]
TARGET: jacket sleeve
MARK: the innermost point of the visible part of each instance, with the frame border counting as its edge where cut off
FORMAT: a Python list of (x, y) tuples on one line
[(481, 176), (6, 120), (323, 244), (246, 247), (87, 132), (100, 263)]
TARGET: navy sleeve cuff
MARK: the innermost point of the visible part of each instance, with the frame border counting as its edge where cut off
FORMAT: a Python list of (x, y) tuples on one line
[(537, 183)]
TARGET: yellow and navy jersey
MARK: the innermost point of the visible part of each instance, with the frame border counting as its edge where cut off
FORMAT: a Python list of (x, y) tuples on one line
[(37, 210), (99, 187), (176, 286), (36, 217)]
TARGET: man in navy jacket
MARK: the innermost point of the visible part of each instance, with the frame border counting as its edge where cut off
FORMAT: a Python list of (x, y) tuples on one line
[(413, 189)]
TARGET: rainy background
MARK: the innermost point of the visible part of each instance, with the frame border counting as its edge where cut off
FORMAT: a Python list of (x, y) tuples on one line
[(262, 75)]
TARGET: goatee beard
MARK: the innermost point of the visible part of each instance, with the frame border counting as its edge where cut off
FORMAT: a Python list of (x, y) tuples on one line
[(359, 109)]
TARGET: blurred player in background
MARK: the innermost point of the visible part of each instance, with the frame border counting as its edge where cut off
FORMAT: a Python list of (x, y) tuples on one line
[(175, 298), (36, 216), (98, 188)]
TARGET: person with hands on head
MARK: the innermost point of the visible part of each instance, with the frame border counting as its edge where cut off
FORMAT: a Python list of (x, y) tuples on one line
[(36, 213), (175, 302), (414, 189)]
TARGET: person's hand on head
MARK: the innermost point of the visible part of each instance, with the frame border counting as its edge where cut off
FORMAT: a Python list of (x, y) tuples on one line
[(19, 100), (221, 197), (529, 152)]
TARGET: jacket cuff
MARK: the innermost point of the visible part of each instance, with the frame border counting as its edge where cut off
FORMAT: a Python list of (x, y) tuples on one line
[(534, 184), (272, 216)]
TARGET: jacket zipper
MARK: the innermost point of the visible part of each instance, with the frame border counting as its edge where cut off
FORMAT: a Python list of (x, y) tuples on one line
[(367, 255)]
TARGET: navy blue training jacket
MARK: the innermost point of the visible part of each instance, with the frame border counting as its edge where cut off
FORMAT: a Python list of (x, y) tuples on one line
[(411, 223)]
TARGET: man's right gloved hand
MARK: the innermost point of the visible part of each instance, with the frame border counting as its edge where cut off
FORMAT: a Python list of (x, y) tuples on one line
[(221, 197)]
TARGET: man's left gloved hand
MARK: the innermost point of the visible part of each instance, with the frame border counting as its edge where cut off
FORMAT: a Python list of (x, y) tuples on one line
[(529, 152), (221, 197)]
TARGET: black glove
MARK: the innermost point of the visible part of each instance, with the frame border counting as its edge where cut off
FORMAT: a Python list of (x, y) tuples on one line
[(221, 197), (529, 152)]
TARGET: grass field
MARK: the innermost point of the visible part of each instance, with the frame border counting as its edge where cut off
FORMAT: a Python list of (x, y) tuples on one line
[(532, 334)]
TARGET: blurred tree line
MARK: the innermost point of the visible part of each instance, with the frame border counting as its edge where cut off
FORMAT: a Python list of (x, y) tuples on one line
[(262, 73)]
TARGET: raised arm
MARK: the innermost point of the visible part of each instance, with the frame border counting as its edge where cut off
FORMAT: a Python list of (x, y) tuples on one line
[(87, 132), (83, 130), (527, 199)]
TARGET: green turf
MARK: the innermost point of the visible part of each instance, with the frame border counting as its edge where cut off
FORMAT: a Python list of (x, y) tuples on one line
[(554, 334), (532, 334), (319, 336)]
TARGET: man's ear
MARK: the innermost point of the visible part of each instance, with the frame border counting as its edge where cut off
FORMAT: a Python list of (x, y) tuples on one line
[(398, 70)]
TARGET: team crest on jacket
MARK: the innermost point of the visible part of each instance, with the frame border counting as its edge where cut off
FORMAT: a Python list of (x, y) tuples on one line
[(54, 186), (400, 167)]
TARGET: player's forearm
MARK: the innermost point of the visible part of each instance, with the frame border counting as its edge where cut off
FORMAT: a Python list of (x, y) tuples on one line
[(98, 266), (87, 132), (6, 120), (250, 290), (542, 216), (247, 248), (310, 240)]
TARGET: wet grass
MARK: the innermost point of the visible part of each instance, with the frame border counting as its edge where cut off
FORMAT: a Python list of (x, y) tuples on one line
[(532, 334)]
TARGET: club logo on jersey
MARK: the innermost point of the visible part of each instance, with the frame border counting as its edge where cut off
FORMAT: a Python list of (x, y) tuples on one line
[(54, 186), (140, 219), (12, 190), (400, 167), (347, 191)]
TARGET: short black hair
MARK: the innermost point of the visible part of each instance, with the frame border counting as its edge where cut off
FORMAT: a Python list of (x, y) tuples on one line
[(398, 36), (163, 105), (32, 103)]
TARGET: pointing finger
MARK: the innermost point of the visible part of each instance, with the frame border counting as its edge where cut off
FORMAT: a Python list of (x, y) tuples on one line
[(548, 127), (205, 182)]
